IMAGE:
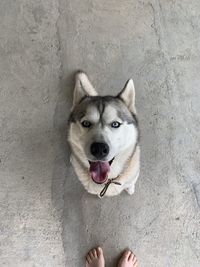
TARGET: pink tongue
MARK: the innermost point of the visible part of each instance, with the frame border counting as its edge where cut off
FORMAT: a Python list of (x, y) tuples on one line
[(99, 171)]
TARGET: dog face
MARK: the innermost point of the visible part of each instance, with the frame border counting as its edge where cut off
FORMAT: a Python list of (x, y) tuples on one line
[(102, 127)]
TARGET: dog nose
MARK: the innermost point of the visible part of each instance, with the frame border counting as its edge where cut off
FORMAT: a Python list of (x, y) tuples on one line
[(99, 150)]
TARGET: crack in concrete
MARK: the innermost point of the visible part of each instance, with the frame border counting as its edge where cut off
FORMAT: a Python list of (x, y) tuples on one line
[(196, 192), (157, 29), (154, 25), (59, 48)]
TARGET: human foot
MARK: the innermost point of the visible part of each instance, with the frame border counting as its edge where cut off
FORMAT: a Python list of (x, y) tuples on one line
[(128, 259), (95, 258)]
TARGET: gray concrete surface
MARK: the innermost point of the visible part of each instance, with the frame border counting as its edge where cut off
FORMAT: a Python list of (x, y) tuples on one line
[(47, 218)]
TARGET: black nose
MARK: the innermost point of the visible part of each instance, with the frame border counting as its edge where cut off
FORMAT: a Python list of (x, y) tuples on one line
[(99, 150)]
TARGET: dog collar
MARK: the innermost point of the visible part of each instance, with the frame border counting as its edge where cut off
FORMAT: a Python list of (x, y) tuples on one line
[(110, 181)]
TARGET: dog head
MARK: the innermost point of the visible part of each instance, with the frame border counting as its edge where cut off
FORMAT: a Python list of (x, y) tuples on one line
[(102, 127)]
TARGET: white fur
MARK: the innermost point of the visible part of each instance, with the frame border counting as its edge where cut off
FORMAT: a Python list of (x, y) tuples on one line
[(127, 179)]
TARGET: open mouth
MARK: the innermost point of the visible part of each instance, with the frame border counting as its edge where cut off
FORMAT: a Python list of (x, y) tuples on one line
[(99, 170)]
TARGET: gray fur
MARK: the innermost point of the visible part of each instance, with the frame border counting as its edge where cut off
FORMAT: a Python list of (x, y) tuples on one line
[(100, 102)]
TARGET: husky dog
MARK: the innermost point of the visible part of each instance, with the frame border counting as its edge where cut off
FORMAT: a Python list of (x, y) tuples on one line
[(103, 137)]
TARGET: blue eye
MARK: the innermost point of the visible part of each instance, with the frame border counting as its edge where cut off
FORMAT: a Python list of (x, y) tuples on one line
[(115, 124), (86, 124)]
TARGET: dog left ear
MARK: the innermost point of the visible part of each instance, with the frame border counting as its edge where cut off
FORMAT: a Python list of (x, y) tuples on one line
[(127, 95), (83, 87)]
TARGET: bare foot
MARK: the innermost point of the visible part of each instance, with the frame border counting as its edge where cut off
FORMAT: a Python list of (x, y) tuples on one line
[(95, 258), (128, 259)]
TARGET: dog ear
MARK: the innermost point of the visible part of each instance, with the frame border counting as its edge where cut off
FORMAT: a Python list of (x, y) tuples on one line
[(83, 87), (127, 95)]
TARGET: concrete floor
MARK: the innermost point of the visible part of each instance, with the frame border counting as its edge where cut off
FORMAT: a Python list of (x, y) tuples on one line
[(47, 218)]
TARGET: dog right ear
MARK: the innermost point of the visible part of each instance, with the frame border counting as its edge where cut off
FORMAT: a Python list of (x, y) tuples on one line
[(127, 95), (83, 87)]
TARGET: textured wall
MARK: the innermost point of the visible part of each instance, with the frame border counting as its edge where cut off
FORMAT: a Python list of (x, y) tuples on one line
[(47, 218)]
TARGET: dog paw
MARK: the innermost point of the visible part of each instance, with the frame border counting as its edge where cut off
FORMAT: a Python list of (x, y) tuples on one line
[(131, 190)]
